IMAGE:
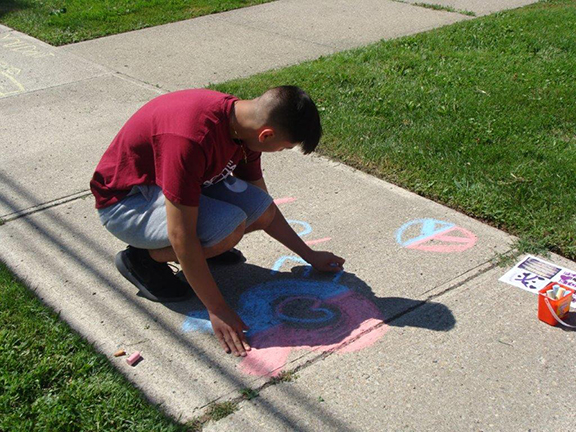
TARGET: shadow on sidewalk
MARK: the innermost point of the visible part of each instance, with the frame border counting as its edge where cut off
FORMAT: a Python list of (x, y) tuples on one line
[(68, 253), (306, 310)]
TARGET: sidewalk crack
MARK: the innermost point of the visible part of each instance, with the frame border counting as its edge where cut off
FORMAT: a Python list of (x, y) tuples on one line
[(44, 206)]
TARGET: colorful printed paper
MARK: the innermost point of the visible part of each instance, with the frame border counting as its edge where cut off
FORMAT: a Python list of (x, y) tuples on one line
[(532, 274)]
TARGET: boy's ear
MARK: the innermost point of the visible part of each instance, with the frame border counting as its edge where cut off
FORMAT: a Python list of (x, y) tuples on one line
[(265, 134)]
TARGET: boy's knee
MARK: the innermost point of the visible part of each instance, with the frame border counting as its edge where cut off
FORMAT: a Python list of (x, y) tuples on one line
[(234, 238), (265, 220)]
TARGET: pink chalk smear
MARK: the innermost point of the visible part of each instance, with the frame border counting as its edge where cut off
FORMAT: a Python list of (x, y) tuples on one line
[(322, 240), (463, 243), (271, 348), (279, 201)]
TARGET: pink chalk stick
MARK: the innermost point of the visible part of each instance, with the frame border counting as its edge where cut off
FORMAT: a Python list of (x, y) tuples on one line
[(134, 357)]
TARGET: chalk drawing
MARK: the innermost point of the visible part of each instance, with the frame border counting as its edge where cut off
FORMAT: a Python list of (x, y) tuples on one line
[(306, 228), (15, 44), (322, 240), (280, 262), (433, 235), (299, 314), (279, 201), (9, 85)]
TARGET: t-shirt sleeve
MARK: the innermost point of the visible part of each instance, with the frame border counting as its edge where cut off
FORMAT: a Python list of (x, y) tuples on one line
[(251, 169), (180, 167)]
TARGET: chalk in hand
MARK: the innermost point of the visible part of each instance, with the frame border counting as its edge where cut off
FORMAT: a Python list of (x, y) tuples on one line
[(134, 357), (334, 265)]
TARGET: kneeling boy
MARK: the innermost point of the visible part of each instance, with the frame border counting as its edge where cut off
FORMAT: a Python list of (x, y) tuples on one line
[(164, 186)]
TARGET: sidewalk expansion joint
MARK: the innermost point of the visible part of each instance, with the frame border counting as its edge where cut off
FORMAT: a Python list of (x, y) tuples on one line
[(51, 87), (148, 86), (284, 36), (438, 7), (44, 206), (289, 375)]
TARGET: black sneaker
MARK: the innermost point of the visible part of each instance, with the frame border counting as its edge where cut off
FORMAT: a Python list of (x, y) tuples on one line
[(156, 281), (233, 256)]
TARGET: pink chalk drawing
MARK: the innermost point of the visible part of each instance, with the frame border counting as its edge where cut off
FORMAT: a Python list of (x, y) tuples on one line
[(322, 240), (300, 314), (294, 314), (435, 236), (279, 201)]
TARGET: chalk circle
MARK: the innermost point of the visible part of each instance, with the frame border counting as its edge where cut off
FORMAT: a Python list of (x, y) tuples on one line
[(305, 311), (433, 235), (235, 185), (9, 85)]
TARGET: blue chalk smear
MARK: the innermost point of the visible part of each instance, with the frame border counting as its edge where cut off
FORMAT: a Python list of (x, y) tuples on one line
[(430, 227)]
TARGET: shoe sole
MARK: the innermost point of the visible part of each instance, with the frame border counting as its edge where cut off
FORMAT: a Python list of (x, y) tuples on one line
[(121, 266)]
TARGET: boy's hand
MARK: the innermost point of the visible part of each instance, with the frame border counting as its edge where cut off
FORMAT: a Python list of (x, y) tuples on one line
[(229, 330), (326, 261)]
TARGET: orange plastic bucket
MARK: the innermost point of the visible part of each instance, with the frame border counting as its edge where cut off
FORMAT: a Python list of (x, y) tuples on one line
[(561, 307)]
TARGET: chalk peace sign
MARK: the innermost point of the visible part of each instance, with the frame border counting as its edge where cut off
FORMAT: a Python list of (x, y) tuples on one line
[(433, 235)]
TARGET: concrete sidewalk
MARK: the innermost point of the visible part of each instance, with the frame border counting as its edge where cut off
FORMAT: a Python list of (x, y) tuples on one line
[(410, 337)]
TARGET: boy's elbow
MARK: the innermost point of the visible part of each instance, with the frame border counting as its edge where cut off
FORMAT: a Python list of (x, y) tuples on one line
[(179, 238)]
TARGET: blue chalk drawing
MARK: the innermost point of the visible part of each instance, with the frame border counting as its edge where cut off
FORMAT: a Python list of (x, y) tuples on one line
[(429, 228), (199, 321), (313, 303), (280, 262), (256, 305), (307, 228), (259, 305)]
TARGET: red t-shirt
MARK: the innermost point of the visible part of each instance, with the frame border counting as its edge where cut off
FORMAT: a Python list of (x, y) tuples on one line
[(179, 141)]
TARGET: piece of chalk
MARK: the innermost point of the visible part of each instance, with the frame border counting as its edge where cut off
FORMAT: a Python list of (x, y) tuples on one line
[(334, 265), (120, 353), (550, 294), (134, 357), (560, 293)]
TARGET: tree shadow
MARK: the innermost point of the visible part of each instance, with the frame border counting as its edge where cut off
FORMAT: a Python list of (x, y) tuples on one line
[(72, 263), (9, 6)]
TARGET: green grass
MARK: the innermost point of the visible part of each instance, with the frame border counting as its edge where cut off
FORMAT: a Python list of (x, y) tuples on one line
[(52, 380), (439, 7), (479, 116), (60, 22), (218, 411)]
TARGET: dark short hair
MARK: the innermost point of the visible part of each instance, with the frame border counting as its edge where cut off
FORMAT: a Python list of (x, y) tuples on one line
[(295, 114)]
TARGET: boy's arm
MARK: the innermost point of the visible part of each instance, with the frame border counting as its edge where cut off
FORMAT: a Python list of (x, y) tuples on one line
[(227, 325), (280, 230)]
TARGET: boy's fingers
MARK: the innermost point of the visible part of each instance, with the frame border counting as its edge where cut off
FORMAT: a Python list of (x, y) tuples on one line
[(239, 348), (245, 342), (223, 343)]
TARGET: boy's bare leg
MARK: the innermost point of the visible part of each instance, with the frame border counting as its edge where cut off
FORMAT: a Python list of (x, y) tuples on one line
[(167, 254), (263, 221)]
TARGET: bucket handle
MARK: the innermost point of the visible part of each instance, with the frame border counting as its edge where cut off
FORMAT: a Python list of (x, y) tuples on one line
[(556, 317)]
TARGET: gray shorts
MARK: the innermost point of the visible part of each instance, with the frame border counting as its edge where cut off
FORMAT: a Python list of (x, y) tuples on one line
[(140, 218)]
